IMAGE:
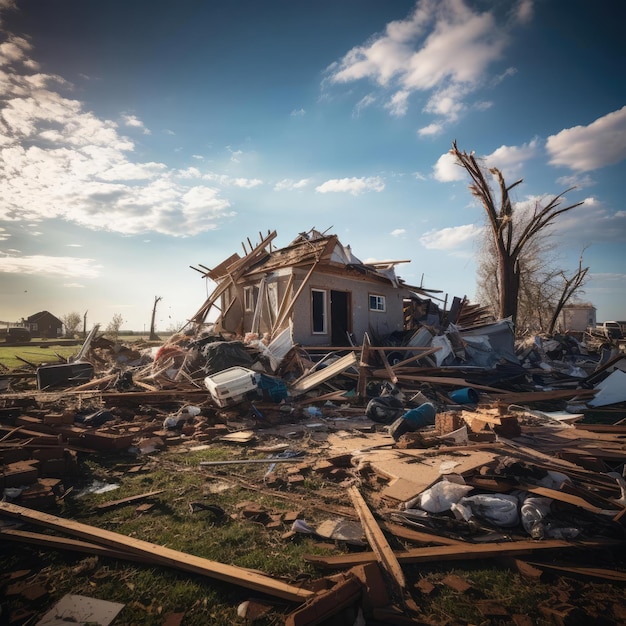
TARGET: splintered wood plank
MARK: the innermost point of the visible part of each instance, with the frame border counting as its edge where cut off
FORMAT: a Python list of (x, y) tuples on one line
[(161, 555), (75, 545), (311, 381), (567, 498), (104, 506), (376, 539), (457, 553)]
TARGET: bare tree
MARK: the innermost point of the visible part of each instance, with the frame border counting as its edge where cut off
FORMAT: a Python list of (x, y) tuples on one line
[(113, 329), (153, 335), (71, 321), (571, 286), (509, 243)]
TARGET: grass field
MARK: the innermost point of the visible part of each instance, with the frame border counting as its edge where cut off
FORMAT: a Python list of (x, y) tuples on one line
[(13, 357)]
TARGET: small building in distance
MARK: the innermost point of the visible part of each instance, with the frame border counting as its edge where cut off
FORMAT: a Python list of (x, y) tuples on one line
[(578, 317), (44, 324)]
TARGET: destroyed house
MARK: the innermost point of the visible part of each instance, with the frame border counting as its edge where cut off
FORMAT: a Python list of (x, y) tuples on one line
[(315, 286)]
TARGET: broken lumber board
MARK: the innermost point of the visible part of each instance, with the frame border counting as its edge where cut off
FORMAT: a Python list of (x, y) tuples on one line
[(75, 545), (589, 572), (161, 555), (616, 429), (388, 369), (326, 604), (524, 397), (469, 551), (418, 536), (105, 506), (377, 540), (446, 380), (311, 381), (568, 498)]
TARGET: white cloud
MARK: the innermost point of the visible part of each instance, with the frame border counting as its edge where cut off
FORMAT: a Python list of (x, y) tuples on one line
[(3, 234), (229, 181), (70, 267), (58, 160), (576, 181), (443, 47), (447, 169), (399, 103), (298, 113), (588, 148), (431, 130), (363, 103), (398, 231), (287, 184), (510, 159), (134, 122), (450, 238), (74, 285), (355, 186)]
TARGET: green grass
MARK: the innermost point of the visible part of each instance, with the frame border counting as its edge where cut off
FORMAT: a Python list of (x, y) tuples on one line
[(151, 593), (37, 355)]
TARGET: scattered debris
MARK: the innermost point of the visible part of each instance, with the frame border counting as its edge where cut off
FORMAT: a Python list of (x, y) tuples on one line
[(443, 430)]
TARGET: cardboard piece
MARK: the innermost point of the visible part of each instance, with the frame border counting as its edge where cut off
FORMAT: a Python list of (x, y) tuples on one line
[(72, 609)]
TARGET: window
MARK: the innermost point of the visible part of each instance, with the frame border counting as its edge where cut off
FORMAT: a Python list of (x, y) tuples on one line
[(318, 311), (248, 298), (377, 303)]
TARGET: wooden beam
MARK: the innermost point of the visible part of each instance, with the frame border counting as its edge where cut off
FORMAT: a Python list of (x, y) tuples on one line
[(377, 540), (310, 381), (390, 373), (363, 367), (468, 551), (105, 506), (161, 555), (74, 545), (279, 321)]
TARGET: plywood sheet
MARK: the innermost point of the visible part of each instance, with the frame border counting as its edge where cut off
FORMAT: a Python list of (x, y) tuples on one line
[(412, 472)]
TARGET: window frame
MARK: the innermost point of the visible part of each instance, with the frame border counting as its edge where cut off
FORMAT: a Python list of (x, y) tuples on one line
[(323, 311), (379, 300), (248, 299)]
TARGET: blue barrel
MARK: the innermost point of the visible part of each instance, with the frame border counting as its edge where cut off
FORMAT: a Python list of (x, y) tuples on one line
[(423, 415), (467, 395)]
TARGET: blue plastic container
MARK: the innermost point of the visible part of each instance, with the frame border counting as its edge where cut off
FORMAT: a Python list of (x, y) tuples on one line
[(414, 419), (467, 395)]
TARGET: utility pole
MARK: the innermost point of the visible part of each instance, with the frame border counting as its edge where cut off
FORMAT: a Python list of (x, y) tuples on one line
[(85, 324), (153, 335)]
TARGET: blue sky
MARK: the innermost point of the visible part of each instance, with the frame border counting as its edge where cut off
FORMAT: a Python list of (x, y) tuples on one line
[(140, 138)]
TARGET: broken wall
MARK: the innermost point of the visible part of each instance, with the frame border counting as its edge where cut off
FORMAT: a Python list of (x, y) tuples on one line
[(360, 318)]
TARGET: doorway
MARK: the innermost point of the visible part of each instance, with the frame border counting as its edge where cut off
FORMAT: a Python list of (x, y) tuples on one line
[(340, 318)]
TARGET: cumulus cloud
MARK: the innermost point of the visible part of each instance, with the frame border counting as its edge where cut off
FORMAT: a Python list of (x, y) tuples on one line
[(443, 48), (398, 232), (134, 122), (287, 184), (354, 186), (59, 160), (450, 238), (447, 169), (298, 113), (588, 148), (431, 130), (510, 159), (69, 267), (226, 181)]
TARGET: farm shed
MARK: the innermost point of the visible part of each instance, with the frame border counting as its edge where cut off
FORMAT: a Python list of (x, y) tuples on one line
[(44, 324), (316, 286)]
